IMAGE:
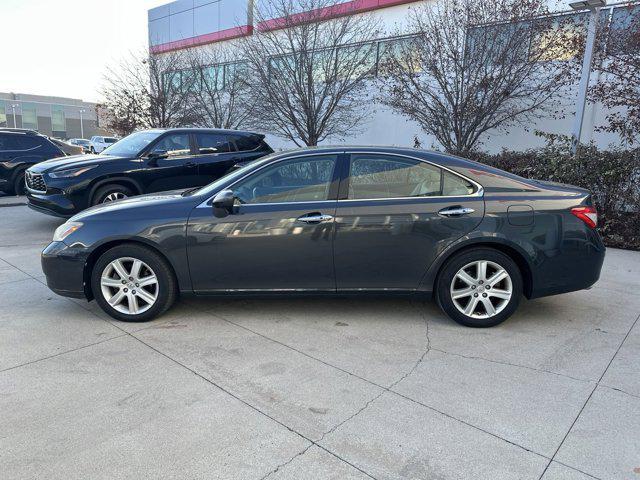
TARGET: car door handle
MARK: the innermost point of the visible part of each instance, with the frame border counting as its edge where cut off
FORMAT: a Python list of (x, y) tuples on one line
[(314, 218), (190, 164), (455, 211)]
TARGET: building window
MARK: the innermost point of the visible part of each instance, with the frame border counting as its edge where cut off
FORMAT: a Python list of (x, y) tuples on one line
[(213, 78), (3, 114), (623, 30), (58, 123), (29, 116)]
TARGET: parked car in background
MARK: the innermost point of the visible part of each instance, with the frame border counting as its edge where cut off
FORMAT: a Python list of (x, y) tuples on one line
[(81, 142), (99, 143), (384, 221), (20, 149), (144, 162), (67, 148)]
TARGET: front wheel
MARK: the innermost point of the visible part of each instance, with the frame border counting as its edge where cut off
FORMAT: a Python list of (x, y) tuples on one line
[(480, 287), (133, 283), (111, 193)]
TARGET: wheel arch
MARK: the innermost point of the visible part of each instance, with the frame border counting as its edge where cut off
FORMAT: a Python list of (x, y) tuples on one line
[(108, 245), (512, 250), (122, 181)]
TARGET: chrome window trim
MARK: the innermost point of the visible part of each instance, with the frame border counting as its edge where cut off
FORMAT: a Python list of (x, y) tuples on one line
[(479, 193), (204, 204)]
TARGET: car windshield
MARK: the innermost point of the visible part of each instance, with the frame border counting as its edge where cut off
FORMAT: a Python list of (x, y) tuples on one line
[(133, 144), (82, 142), (230, 177)]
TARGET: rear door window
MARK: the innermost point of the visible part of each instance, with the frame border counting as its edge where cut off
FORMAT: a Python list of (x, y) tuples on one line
[(380, 176)]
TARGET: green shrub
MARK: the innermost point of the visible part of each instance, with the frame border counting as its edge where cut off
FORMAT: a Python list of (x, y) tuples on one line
[(612, 176)]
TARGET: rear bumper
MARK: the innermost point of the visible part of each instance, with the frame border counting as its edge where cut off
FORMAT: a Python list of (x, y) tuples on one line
[(63, 267), (570, 271), (56, 204)]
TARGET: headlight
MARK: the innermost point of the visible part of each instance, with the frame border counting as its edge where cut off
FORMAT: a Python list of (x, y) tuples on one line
[(73, 172), (64, 230)]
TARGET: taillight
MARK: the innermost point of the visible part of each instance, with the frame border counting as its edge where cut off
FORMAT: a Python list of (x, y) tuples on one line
[(588, 215)]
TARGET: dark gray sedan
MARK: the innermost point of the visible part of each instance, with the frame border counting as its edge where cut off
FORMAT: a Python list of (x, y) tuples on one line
[(356, 220)]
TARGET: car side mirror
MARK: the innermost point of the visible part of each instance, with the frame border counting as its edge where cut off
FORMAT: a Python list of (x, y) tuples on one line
[(157, 154), (223, 203)]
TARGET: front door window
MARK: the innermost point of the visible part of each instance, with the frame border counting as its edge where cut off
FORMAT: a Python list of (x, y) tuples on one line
[(306, 179)]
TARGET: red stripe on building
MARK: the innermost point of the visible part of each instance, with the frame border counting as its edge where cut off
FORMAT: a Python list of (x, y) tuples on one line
[(227, 34), (333, 11)]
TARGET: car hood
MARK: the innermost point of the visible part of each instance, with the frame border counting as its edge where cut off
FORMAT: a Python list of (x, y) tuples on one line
[(153, 201), (75, 161)]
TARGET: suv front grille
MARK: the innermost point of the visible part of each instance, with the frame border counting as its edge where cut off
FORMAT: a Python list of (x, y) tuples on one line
[(35, 182)]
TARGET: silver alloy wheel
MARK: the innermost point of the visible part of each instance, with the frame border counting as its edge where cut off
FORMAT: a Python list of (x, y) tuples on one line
[(129, 285), (112, 197), (481, 289)]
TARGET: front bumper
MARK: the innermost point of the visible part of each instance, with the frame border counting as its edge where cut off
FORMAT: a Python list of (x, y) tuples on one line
[(63, 267), (4, 184), (56, 204)]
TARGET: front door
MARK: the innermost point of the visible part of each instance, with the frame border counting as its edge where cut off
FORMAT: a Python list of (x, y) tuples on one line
[(174, 168), (394, 216), (280, 235)]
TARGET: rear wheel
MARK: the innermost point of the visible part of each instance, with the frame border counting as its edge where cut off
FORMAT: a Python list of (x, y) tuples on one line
[(19, 187), (133, 283), (111, 193), (480, 287)]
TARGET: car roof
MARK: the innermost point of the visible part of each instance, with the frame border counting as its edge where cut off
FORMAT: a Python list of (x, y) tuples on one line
[(203, 130), (441, 158)]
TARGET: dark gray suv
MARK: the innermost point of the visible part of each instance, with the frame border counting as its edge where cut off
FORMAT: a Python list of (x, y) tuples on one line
[(20, 149)]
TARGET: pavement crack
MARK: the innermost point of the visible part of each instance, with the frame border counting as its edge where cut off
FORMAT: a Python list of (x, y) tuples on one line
[(282, 465), (498, 362), (595, 387), (393, 384)]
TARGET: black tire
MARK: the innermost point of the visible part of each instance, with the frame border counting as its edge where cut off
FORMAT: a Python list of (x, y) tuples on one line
[(167, 286), (19, 187), (460, 260), (101, 195)]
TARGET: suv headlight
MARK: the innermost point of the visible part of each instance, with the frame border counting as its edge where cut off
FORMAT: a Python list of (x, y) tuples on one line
[(64, 230), (72, 172)]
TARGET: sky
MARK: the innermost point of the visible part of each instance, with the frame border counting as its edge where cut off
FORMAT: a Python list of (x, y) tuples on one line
[(62, 47)]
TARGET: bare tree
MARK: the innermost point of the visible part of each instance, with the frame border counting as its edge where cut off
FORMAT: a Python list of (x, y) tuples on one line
[(309, 72), (149, 91), (221, 91), (618, 63), (479, 65)]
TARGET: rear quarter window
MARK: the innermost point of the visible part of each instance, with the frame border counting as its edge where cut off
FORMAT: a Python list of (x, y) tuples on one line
[(247, 142)]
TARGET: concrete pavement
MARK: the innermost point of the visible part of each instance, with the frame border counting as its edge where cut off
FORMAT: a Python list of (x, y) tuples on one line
[(314, 389)]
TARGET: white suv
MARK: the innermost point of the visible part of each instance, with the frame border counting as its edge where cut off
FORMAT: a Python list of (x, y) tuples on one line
[(98, 144)]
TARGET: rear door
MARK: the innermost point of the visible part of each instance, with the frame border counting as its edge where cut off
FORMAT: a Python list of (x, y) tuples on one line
[(215, 155), (395, 214)]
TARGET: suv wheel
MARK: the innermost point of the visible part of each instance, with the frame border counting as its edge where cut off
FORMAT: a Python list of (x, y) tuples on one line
[(19, 187), (133, 283), (111, 193), (479, 288)]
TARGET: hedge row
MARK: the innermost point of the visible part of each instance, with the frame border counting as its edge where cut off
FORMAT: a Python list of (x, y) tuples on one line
[(612, 176)]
